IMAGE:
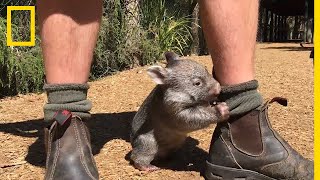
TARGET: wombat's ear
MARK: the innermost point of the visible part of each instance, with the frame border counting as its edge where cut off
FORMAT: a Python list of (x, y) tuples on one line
[(157, 74), (171, 56)]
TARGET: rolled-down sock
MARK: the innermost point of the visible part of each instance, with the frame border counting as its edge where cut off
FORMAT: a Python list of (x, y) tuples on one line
[(71, 97), (241, 98)]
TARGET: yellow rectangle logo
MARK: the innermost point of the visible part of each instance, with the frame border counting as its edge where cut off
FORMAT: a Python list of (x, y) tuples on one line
[(32, 41)]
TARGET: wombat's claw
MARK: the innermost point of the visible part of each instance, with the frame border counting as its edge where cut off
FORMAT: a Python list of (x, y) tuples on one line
[(148, 168), (223, 109)]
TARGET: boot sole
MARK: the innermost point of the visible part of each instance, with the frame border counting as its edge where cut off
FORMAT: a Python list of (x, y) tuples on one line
[(215, 172)]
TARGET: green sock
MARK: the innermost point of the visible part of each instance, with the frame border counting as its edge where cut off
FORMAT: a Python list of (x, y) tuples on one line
[(71, 97), (241, 98)]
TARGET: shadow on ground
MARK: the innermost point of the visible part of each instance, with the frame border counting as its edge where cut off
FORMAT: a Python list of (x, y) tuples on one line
[(291, 48), (104, 128), (188, 158)]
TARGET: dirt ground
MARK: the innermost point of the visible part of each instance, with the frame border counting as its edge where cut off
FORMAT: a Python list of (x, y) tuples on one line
[(282, 70)]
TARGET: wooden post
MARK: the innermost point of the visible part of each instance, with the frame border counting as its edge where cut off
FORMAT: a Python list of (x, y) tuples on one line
[(280, 28), (195, 47), (306, 18), (271, 28), (296, 28), (265, 29), (203, 49), (312, 29), (285, 30), (276, 33)]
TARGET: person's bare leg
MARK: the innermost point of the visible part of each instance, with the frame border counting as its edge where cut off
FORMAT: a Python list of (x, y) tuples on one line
[(69, 31), (245, 146), (230, 28)]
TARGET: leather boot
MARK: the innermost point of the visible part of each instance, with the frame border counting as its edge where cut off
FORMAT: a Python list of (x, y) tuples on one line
[(69, 155), (248, 147)]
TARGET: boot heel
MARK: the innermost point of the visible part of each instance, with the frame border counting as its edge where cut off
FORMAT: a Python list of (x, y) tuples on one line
[(215, 172)]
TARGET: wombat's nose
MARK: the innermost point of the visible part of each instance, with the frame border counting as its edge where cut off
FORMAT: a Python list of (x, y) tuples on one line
[(215, 90)]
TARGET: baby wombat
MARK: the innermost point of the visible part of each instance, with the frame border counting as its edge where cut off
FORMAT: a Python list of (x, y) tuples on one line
[(179, 104)]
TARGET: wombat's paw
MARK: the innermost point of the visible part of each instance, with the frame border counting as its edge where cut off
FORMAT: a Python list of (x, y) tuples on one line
[(148, 168), (223, 110)]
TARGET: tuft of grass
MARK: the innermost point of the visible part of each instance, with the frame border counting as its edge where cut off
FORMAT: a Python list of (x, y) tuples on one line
[(173, 33)]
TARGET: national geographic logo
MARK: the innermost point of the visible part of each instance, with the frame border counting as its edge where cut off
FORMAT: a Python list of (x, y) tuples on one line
[(16, 7)]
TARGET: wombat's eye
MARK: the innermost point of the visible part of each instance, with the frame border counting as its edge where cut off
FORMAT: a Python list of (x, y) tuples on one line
[(197, 83)]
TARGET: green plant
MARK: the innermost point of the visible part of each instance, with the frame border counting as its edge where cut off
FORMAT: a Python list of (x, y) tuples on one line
[(21, 68), (121, 43), (172, 33), (112, 53), (6, 60)]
